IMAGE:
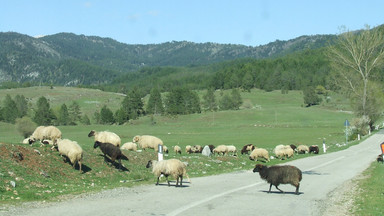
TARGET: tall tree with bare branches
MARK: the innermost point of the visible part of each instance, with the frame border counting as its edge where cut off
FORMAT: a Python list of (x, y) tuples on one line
[(355, 59)]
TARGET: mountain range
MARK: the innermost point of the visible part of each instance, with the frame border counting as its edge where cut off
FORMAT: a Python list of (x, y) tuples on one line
[(69, 59)]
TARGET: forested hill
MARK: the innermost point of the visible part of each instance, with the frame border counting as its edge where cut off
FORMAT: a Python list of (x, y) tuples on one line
[(69, 59)]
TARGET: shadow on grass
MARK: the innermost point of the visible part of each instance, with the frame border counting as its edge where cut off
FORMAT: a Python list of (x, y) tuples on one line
[(115, 164)]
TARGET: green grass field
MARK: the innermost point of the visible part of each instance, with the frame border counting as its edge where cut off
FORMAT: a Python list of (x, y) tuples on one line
[(271, 118), (370, 198)]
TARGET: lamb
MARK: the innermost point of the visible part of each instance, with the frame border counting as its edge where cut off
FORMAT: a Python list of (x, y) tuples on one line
[(45, 133), (314, 149), (130, 146), (147, 141), (177, 149), (173, 167), (259, 153), (232, 148), (283, 151), (276, 175), (165, 149), (302, 149), (106, 137), (247, 148), (72, 150), (196, 149), (112, 151), (221, 149), (188, 149)]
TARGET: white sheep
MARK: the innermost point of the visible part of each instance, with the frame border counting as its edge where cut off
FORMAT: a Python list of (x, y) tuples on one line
[(52, 133), (147, 141), (173, 167), (129, 146), (177, 149), (71, 150), (106, 137), (188, 149), (165, 149), (221, 149), (232, 148), (302, 149), (283, 151), (259, 153), (45, 133)]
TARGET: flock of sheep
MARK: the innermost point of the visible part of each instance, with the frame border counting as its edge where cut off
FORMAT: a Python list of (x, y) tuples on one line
[(110, 144)]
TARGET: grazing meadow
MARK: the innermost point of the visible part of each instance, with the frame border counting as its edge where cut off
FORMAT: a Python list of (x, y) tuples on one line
[(265, 120)]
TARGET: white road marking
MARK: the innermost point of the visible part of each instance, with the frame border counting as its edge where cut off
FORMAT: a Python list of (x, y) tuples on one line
[(325, 164), (186, 207)]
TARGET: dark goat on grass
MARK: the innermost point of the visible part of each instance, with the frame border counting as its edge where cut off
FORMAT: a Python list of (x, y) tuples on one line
[(112, 151), (276, 175)]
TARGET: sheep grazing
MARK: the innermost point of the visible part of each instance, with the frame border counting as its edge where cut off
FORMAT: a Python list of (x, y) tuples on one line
[(211, 147), (112, 151), (72, 150), (147, 141), (221, 149), (314, 149), (283, 151), (247, 148), (232, 149), (188, 149), (379, 158), (130, 146), (177, 149), (259, 153), (165, 149), (302, 149), (276, 175), (173, 167), (45, 133), (196, 149), (106, 137), (293, 147)]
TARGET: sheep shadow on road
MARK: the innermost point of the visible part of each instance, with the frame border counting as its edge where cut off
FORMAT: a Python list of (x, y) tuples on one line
[(314, 173), (173, 184), (278, 192)]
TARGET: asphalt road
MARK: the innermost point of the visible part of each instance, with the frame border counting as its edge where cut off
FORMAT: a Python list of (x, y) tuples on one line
[(240, 193)]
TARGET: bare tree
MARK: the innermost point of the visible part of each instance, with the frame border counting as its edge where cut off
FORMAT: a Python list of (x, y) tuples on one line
[(355, 58)]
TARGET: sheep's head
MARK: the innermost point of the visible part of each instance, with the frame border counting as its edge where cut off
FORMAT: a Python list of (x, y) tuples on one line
[(97, 144), (92, 133), (259, 167), (149, 164), (136, 139), (31, 140)]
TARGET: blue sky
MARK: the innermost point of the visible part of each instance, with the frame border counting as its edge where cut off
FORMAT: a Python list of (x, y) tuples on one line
[(248, 22)]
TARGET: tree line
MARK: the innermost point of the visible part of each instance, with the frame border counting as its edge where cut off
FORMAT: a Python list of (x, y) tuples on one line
[(179, 101)]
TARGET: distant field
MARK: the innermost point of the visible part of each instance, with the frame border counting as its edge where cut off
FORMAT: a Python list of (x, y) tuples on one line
[(266, 120)]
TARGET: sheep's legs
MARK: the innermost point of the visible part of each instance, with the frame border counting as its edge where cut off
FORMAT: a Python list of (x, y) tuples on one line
[(297, 189), (157, 183), (167, 180), (270, 186)]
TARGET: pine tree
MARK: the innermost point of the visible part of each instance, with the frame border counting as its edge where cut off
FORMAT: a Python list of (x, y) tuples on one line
[(236, 99), (209, 102), (63, 115), (155, 103), (132, 105), (9, 111), (74, 112), (22, 105), (85, 120), (43, 114), (106, 115)]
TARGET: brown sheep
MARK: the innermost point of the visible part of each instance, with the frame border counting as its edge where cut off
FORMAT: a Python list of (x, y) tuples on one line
[(276, 175)]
